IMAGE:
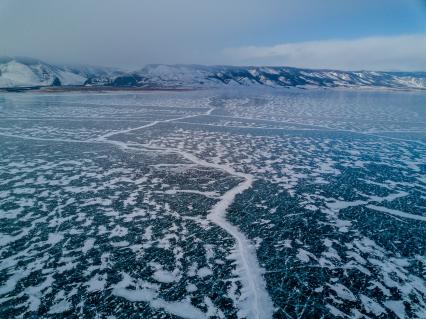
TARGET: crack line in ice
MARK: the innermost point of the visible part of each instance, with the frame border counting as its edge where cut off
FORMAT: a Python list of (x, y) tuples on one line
[(47, 139), (246, 127), (321, 127), (397, 213), (105, 136), (256, 303)]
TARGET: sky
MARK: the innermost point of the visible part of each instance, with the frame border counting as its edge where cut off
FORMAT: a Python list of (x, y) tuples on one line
[(339, 34)]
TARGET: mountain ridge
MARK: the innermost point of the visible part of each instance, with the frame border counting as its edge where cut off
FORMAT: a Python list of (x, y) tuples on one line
[(18, 72)]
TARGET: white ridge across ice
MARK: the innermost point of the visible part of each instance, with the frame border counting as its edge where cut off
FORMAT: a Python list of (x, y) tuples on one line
[(397, 213), (255, 302), (105, 136), (258, 303)]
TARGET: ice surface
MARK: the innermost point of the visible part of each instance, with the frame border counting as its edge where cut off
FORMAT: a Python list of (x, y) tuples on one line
[(213, 204)]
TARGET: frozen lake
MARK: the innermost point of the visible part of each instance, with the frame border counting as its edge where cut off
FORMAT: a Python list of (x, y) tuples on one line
[(213, 204)]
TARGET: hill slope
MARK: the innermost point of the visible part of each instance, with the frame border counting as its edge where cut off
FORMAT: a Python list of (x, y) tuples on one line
[(26, 72)]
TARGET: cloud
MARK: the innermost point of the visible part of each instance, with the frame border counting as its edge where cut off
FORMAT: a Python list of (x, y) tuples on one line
[(406, 52), (131, 33)]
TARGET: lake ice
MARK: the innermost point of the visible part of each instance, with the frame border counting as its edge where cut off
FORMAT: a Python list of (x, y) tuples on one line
[(213, 204)]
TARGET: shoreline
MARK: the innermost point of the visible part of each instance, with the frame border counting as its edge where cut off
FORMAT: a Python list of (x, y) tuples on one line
[(97, 89), (111, 89)]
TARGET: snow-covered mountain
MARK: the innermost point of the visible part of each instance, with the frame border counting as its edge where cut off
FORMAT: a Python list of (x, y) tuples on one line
[(95, 75), (26, 72), (199, 76)]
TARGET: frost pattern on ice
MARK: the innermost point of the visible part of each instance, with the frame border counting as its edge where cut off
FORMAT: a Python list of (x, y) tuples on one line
[(213, 204)]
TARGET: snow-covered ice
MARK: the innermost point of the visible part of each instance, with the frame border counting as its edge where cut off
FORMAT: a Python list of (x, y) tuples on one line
[(213, 204)]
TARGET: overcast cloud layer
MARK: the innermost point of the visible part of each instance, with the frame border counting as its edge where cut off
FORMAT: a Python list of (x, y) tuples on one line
[(373, 53), (388, 34)]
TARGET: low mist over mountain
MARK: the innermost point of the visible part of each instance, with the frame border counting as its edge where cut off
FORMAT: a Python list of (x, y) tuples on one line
[(32, 73)]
